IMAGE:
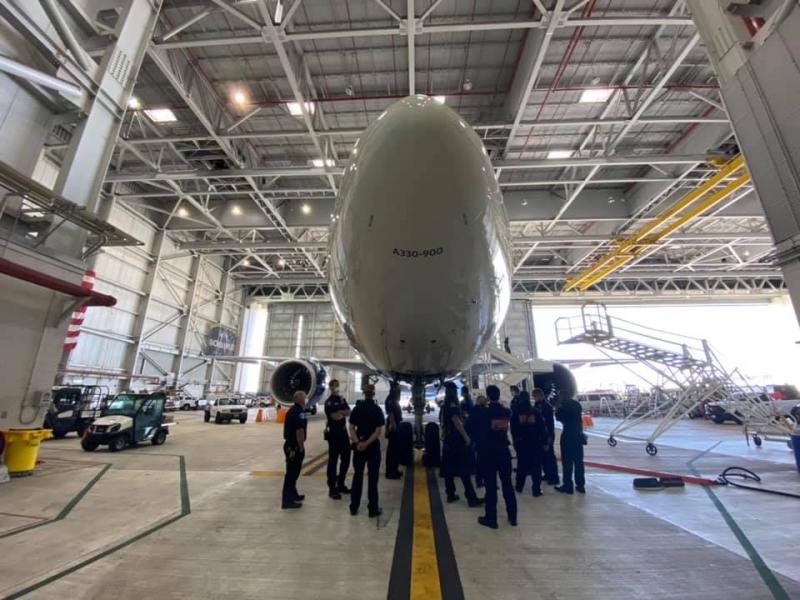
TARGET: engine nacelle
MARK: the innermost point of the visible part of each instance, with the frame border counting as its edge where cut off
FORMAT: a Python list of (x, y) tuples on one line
[(300, 374), (560, 379)]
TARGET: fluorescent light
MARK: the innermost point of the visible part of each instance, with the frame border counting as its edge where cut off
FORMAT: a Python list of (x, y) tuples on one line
[(183, 212), (306, 209), (134, 103), (236, 210), (296, 110), (560, 154), (596, 95), (239, 97), (161, 115), (440, 99), (281, 262), (318, 162), (278, 13)]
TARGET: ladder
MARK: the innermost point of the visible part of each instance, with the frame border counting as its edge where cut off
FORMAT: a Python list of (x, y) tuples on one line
[(689, 364)]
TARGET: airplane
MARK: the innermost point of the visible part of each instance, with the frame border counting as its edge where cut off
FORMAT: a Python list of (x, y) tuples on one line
[(420, 262)]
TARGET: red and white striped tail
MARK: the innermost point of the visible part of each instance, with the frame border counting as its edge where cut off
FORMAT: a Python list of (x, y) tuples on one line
[(76, 319)]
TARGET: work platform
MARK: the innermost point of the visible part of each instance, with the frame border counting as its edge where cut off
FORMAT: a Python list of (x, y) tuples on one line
[(199, 518)]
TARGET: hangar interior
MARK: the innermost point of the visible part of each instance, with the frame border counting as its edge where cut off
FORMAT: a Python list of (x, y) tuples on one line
[(169, 172)]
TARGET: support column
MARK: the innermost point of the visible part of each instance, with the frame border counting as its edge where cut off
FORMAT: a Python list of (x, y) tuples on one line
[(756, 56), (143, 309), (186, 324)]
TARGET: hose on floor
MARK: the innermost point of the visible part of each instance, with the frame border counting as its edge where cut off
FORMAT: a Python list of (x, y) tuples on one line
[(729, 475)]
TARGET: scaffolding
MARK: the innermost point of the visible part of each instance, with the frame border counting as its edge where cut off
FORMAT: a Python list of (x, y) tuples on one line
[(689, 365)]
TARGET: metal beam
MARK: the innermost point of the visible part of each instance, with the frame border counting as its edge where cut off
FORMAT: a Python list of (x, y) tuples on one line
[(336, 31), (502, 165)]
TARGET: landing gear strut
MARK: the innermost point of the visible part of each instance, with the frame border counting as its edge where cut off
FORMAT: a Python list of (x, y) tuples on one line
[(418, 402)]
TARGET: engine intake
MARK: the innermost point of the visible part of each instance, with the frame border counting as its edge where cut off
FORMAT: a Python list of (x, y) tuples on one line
[(305, 375)]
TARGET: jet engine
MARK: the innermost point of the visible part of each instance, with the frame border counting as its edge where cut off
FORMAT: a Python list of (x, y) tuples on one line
[(560, 379), (300, 374)]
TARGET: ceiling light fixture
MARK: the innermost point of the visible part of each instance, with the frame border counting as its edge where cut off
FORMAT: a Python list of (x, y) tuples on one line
[(278, 17), (183, 212), (306, 209), (281, 262), (239, 97), (246, 262), (134, 103), (161, 115), (236, 210), (596, 95), (296, 110), (319, 163), (467, 85), (559, 154), (440, 99)]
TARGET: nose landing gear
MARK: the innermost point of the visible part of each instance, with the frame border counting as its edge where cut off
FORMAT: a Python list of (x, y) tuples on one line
[(418, 403)]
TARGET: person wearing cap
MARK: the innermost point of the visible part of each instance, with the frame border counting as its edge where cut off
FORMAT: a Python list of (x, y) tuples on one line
[(455, 446), (366, 427), (336, 411), (494, 459), (294, 449)]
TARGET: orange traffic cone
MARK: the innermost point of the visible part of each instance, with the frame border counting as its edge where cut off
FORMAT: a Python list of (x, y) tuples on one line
[(260, 416)]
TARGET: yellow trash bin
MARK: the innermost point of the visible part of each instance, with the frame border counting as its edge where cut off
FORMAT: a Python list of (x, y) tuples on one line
[(22, 449)]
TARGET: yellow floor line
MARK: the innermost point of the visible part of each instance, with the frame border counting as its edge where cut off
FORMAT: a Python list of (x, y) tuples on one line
[(267, 473), (424, 564), (315, 463)]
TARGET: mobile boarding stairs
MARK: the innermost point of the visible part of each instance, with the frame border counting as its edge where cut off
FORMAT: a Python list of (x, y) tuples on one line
[(687, 363)]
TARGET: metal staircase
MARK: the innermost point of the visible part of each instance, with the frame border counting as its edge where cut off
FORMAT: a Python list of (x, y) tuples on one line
[(689, 364)]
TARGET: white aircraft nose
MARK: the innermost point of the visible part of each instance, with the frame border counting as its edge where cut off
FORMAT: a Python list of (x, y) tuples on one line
[(420, 226)]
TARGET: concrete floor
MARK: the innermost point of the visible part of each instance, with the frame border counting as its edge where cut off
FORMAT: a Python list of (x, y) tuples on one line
[(136, 533)]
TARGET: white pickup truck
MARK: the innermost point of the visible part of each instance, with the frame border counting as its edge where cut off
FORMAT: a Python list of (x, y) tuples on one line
[(225, 410)]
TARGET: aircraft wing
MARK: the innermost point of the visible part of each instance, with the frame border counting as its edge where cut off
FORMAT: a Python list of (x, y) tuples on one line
[(353, 364)]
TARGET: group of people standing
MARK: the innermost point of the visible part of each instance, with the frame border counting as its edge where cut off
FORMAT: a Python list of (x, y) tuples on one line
[(355, 432), (475, 440)]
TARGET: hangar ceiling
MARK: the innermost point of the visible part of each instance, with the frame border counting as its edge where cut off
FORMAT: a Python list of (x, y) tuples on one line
[(598, 116)]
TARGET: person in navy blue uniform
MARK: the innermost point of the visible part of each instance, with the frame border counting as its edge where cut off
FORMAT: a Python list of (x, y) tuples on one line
[(455, 446), (366, 427), (294, 449), (531, 441), (477, 435), (570, 413), (337, 410), (394, 416), (494, 459), (549, 462)]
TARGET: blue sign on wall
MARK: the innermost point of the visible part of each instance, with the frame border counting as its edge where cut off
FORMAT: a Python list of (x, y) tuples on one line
[(221, 341)]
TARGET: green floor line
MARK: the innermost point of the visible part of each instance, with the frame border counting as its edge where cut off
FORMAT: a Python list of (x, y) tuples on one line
[(766, 574), (185, 510), (67, 509)]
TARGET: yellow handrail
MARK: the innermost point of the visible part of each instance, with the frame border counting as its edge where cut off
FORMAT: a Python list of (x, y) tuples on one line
[(649, 235)]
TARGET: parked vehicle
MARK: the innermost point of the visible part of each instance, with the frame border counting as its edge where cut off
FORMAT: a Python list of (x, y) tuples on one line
[(187, 402), (73, 408), (129, 420), (225, 410), (600, 401)]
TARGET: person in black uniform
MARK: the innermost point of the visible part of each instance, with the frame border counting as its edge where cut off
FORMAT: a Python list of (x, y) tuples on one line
[(531, 441), (366, 426), (337, 410), (570, 414), (394, 416), (494, 459), (549, 462), (294, 448), (477, 435), (466, 402), (455, 446)]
